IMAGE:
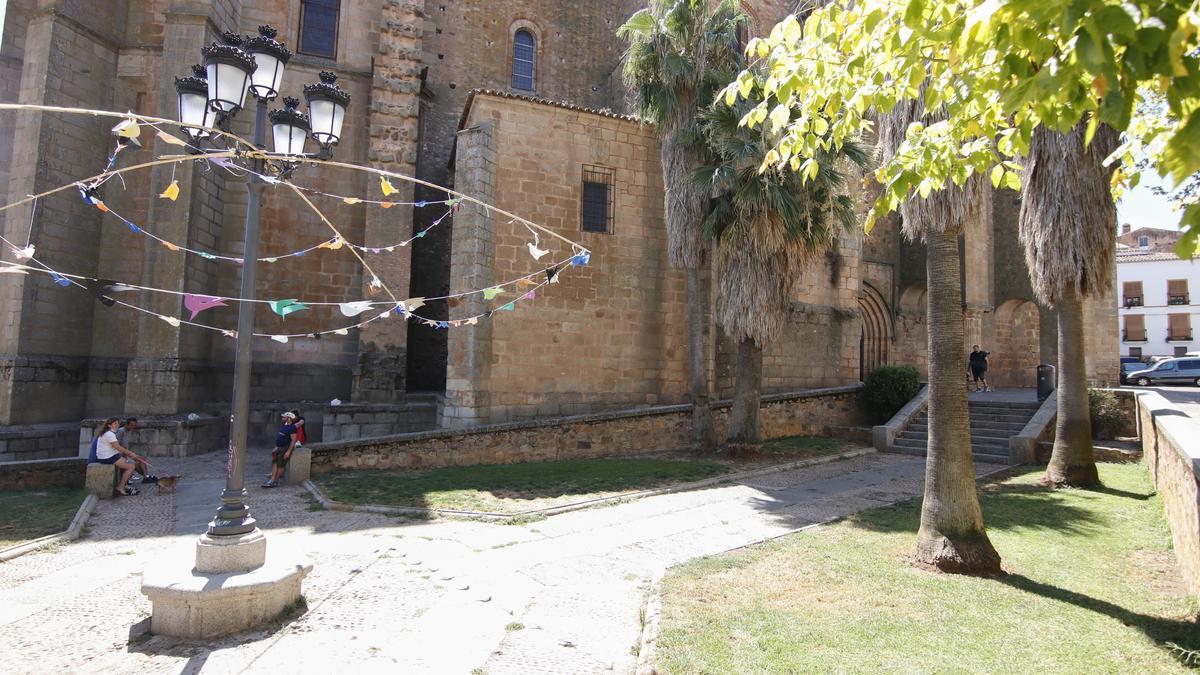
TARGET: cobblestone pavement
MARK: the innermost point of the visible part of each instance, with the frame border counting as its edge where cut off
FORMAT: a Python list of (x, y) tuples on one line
[(562, 594)]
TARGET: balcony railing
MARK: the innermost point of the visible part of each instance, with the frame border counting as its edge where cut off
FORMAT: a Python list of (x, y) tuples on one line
[(1133, 336), (1179, 338), (1177, 300), (1133, 301)]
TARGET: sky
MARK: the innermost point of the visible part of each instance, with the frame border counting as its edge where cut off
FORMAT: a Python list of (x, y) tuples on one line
[(1142, 208)]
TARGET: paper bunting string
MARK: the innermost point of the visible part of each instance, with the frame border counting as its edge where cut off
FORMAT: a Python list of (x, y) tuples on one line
[(198, 303), (128, 132), (386, 186), (580, 259), (280, 338), (289, 306), (507, 308), (59, 279), (98, 288), (355, 308), (491, 293), (171, 320), (351, 200), (172, 193), (333, 244), (15, 269), (341, 331), (24, 253), (170, 140), (529, 296), (411, 305)]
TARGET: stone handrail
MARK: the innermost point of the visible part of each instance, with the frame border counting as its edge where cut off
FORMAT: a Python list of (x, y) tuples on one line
[(883, 435)]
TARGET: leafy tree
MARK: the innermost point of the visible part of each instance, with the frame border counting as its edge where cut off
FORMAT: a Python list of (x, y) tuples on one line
[(999, 69), (681, 52), (767, 227)]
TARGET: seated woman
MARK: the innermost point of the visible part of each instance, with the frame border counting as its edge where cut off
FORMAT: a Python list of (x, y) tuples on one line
[(109, 451)]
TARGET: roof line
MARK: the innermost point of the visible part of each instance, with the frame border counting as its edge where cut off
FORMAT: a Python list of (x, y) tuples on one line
[(496, 93)]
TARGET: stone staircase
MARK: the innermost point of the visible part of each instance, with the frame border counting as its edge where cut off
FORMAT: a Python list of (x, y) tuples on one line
[(992, 423)]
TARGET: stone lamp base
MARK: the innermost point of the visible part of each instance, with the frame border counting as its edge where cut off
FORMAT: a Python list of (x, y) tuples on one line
[(234, 586)]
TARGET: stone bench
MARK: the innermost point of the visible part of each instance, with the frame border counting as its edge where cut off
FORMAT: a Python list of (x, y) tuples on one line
[(101, 480), (299, 467)]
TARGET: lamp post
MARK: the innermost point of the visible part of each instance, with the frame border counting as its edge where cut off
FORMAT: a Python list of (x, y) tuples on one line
[(211, 97)]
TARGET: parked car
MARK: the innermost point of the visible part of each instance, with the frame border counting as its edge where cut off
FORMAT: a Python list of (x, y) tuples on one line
[(1170, 371), (1128, 367)]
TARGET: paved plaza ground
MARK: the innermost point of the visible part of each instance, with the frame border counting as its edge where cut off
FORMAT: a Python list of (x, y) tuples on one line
[(563, 594)]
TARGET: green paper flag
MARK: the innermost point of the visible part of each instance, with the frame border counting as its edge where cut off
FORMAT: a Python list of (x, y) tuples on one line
[(489, 293), (289, 306)]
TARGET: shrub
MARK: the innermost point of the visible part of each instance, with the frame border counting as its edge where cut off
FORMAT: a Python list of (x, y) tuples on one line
[(1107, 417), (888, 388)]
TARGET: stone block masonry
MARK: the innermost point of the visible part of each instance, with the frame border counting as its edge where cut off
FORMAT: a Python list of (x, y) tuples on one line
[(42, 473), (1171, 451), (624, 433)]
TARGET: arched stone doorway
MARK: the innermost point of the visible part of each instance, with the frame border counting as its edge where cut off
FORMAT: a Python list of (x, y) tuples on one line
[(877, 331), (1017, 350)]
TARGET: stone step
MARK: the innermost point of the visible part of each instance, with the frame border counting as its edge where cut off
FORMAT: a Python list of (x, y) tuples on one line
[(1014, 427), (982, 405), (986, 455), (1000, 417), (992, 428)]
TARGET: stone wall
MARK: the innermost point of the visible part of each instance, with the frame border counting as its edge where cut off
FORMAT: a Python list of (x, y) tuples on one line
[(36, 441), (1171, 451), (371, 420), (630, 432), (1015, 351), (42, 473)]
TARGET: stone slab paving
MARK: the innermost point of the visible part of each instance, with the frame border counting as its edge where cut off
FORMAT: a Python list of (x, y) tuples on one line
[(392, 595), (1186, 398)]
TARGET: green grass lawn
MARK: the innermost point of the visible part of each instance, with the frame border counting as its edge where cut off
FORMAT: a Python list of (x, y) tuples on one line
[(29, 514), (1092, 587), (511, 488)]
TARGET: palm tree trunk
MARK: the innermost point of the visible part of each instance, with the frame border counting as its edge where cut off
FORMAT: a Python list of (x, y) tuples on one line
[(703, 437), (952, 537), (744, 424), (1072, 463)]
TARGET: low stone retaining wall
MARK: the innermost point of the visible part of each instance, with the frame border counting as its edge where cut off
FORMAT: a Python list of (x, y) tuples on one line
[(166, 436), (351, 421), (631, 432), (24, 442), (42, 473), (1171, 448)]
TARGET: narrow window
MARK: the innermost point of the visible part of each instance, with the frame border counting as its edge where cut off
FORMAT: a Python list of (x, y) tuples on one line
[(1132, 293), (1180, 327), (1143, 242), (522, 63), (1177, 292), (1136, 352), (319, 27), (1135, 328), (596, 200), (1182, 351)]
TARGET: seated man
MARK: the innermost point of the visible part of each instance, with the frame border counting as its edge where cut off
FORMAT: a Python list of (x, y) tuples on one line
[(109, 451), (140, 465)]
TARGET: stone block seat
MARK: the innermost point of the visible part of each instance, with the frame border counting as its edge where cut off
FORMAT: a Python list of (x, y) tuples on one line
[(101, 480)]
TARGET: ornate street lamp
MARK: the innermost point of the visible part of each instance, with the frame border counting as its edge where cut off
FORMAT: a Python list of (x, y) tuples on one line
[(229, 69), (289, 127), (271, 56), (326, 108), (194, 111)]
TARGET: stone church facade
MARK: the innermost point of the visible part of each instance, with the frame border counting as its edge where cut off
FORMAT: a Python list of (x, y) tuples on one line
[(519, 103)]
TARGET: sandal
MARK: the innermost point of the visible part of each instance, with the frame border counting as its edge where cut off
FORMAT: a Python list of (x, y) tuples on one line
[(129, 492)]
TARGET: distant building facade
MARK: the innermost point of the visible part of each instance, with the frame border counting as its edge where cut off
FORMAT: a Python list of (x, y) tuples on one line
[(519, 103), (1159, 311), (1148, 239)]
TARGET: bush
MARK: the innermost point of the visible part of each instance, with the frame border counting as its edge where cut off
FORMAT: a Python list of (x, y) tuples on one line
[(1107, 417), (888, 388)]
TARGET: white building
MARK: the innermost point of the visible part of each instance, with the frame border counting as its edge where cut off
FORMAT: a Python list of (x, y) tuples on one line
[(1159, 308)]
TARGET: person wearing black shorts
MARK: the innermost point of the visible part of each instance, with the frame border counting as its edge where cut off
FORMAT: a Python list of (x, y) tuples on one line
[(285, 443), (978, 365)]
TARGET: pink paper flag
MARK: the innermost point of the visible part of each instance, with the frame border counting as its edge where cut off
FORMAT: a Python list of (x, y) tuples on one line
[(199, 303)]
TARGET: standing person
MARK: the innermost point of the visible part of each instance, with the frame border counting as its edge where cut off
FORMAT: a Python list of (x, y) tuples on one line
[(109, 451), (979, 365), (285, 443), (140, 465)]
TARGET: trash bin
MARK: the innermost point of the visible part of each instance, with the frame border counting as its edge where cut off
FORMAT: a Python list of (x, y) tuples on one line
[(1045, 381)]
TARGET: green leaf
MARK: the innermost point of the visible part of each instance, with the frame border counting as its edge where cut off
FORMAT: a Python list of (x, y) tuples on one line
[(997, 175), (914, 14), (1190, 223), (1092, 125), (642, 23)]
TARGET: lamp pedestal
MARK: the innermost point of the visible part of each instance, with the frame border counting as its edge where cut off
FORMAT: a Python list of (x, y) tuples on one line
[(234, 586)]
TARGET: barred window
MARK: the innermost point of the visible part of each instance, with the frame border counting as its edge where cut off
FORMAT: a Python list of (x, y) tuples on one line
[(524, 50), (319, 27), (1135, 328), (596, 200), (1132, 292), (1177, 292)]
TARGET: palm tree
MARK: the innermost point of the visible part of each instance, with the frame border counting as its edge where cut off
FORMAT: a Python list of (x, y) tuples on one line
[(952, 536), (767, 228), (680, 54), (1068, 224)]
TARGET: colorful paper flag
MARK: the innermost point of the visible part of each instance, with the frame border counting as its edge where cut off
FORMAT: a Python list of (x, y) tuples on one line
[(490, 293), (355, 308), (282, 339), (288, 306), (172, 191), (536, 252), (386, 186), (170, 319), (198, 303)]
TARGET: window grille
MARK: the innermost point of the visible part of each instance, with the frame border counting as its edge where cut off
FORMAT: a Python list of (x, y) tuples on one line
[(1135, 328), (1180, 327), (524, 51), (319, 27), (1177, 292), (596, 200), (1132, 293)]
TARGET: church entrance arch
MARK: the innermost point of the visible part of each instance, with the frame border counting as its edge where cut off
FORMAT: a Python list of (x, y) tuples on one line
[(1017, 350), (877, 330)]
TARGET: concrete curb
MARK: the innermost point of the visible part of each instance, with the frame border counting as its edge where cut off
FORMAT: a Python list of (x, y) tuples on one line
[(652, 606), (333, 505), (72, 532)]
